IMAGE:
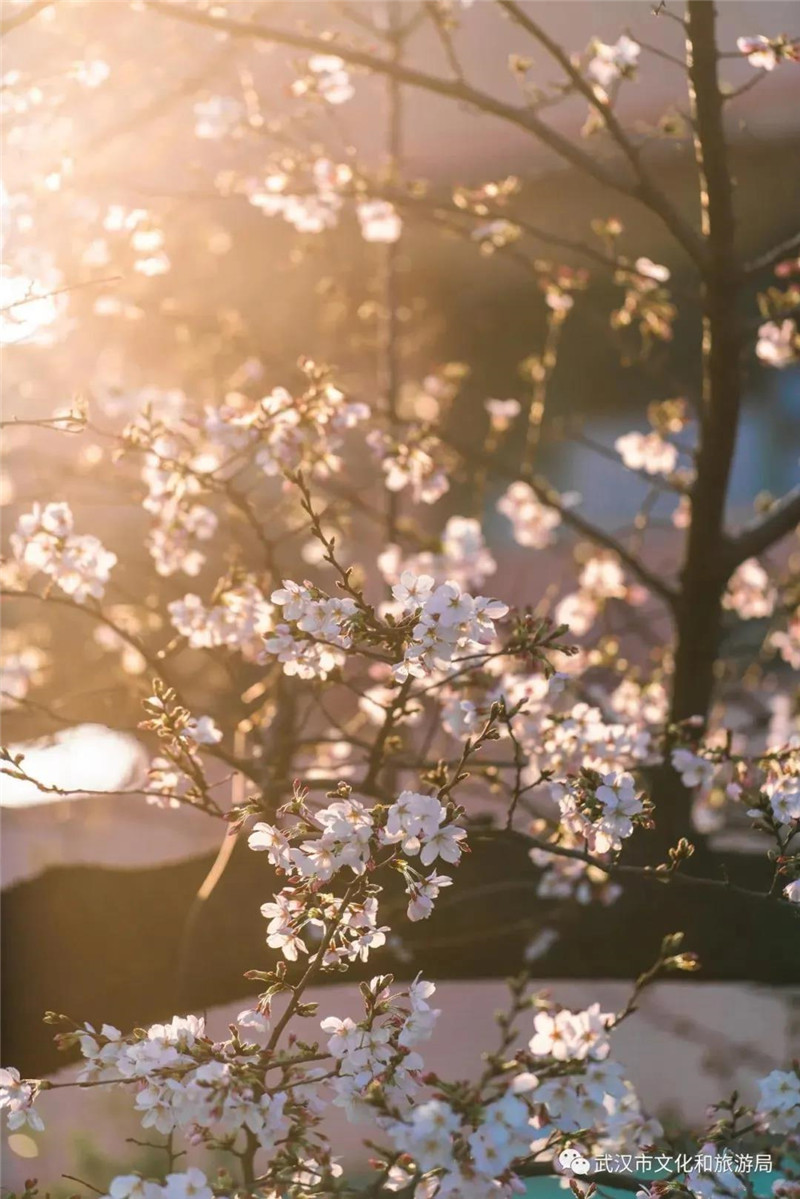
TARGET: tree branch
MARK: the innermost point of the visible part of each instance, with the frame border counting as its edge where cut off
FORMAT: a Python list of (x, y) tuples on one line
[(782, 519), (433, 204), (23, 16), (620, 1182), (783, 250), (550, 498), (650, 874), (599, 536), (456, 90), (647, 191), (155, 661), (703, 578)]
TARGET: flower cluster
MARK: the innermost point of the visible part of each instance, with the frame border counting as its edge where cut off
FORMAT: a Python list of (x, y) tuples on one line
[(289, 432), (463, 558), (187, 1081), (782, 792), (766, 52), (467, 1155), (569, 878), (787, 641), (16, 1099), (646, 303), (610, 63), (694, 769), (376, 1057), (327, 78), (313, 212), (601, 579), (750, 594), (173, 484), (600, 810), (447, 621), (239, 619), (19, 671), (560, 736), (145, 240), (315, 203), (77, 563), (779, 1101), (379, 221), (532, 522), (648, 452), (571, 1036), (314, 631), (468, 1145), (348, 835), (191, 1184), (569, 1098), (778, 343), (216, 117), (411, 464), (415, 821)]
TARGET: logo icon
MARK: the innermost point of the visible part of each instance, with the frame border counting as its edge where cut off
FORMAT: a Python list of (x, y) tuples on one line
[(574, 1161)]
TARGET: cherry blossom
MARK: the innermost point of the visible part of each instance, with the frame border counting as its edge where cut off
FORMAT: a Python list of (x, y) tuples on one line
[(750, 593), (648, 452), (502, 413), (778, 343), (239, 620), (16, 1098), (787, 642), (570, 1036), (355, 708), (764, 52), (603, 814), (132, 1186), (783, 794), (449, 621), (216, 117), (412, 463), (19, 672), (717, 1183), (379, 221), (203, 731), (533, 522), (612, 62), (779, 1101), (332, 80), (77, 564), (695, 770)]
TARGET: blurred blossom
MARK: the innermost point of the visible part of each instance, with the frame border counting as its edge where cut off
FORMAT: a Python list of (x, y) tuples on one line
[(533, 522), (750, 593), (92, 73), (765, 53), (19, 672), (648, 452), (216, 117), (379, 221), (778, 344), (502, 413), (612, 62), (328, 79)]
